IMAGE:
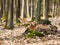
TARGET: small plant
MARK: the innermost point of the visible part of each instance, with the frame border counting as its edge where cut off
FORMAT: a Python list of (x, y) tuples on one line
[(32, 33)]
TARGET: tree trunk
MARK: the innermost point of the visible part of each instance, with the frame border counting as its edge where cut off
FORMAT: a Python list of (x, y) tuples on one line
[(32, 9), (54, 7), (38, 12), (1, 12), (27, 3), (4, 11), (11, 12), (7, 11), (22, 10), (9, 23), (17, 10), (46, 9), (25, 9)]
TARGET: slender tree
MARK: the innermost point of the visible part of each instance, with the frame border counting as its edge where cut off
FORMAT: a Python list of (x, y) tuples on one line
[(1, 11), (7, 11), (45, 9), (27, 3), (25, 9), (32, 9), (4, 10), (17, 10), (22, 9), (54, 8), (38, 11)]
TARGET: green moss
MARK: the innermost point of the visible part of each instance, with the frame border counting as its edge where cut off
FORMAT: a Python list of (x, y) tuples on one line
[(7, 27), (30, 35), (4, 17)]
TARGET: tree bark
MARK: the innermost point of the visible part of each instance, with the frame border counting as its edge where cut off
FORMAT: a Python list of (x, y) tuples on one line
[(4, 10), (7, 11), (25, 9), (32, 9), (54, 7), (27, 3), (46, 9), (9, 21), (22, 9), (17, 10), (38, 12), (1, 12)]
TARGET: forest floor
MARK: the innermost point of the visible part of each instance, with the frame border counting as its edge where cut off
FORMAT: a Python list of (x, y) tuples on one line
[(13, 37)]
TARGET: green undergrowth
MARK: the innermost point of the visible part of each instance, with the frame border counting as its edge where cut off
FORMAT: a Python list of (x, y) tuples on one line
[(32, 33), (18, 22)]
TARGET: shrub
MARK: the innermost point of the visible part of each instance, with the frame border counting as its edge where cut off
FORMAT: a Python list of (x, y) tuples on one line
[(32, 33)]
